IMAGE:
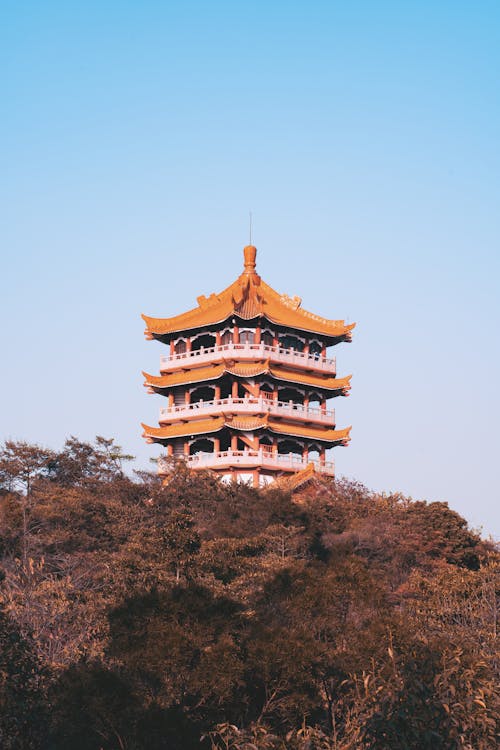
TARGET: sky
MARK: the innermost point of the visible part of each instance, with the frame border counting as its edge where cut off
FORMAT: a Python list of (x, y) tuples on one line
[(363, 136)]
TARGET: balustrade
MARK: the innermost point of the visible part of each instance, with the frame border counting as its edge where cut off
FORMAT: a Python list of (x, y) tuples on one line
[(249, 458), (248, 405), (248, 352)]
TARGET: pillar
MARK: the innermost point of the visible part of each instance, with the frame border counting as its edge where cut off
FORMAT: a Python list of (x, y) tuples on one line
[(236, 335), (186, 448), (187, 396), (234, 442), (217, 392), (305, 453), (188, 343), (258, 334), (172, 347), (322, 456), (218, 338), (234, 389), (216, 445), (170, 450)]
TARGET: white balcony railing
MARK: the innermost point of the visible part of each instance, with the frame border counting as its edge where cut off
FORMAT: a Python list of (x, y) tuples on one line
[(249, 459), (248, 405), (248, 352)]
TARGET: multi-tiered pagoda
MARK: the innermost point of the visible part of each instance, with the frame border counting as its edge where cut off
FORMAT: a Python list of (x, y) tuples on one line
[(246, 380)]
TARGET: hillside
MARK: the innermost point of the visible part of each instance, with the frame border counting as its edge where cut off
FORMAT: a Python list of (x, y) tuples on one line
[(136, 616)]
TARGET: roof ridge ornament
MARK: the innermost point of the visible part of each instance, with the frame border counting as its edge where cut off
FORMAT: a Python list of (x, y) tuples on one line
[(249, 255), (293, 302)]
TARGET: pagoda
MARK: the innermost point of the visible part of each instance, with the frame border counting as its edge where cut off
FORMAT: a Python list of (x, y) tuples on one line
[(246, 380)]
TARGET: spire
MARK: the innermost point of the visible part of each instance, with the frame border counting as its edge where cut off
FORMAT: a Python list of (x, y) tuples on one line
[(249, 254)]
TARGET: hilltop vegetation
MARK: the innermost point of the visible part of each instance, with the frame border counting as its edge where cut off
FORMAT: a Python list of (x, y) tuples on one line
[(200, 615)]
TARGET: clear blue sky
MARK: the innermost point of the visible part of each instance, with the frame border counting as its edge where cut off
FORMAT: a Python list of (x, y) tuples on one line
[(364, 136)]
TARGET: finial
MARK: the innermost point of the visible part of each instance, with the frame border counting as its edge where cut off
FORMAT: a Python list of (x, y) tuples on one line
[(249, 254)]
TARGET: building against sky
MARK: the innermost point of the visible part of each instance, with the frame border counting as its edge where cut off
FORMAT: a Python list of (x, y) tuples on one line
[(246, 380)]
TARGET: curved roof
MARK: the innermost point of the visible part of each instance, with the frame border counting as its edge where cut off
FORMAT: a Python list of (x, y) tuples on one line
[(340, 437), (205, 426), (247, 298), (243, 369), (200, 427)]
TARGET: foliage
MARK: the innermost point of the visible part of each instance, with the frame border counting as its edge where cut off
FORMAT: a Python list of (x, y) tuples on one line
[(202, 615), (22, 709)]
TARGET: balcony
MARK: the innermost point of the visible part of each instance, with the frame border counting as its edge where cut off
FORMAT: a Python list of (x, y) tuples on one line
[(249, 406), (248, 353), (249, 459)]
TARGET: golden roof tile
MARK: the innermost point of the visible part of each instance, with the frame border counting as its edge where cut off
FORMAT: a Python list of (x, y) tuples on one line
[(246, 423), (340, 437), (184, 428), (196, 375), (242, 369)]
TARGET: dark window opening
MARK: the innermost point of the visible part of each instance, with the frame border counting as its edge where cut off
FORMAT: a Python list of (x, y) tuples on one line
[(290, 446), (204, 445), (207, 341), (290, 394), (204, 393), (291, 342), (225, 441)]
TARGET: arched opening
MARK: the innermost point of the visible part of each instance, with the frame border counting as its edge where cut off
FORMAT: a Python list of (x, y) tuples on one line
[(247, 337), (203, 393), (290, 394), (314, 451), (180, 346), (316, 348), (267, 338), (287, 341), (315, 400), (203, 445), (227, 337), (205, 340)]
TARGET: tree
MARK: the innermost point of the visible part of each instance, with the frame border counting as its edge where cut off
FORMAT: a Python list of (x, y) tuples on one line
[(22, 710), (21, 464), (81, 462)]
